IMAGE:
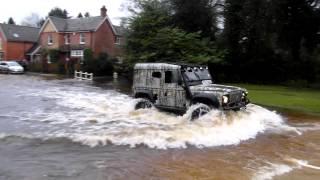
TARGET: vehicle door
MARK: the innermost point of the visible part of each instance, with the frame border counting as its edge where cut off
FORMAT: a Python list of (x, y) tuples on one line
[(172, 94), (4, 66), (154, 83)]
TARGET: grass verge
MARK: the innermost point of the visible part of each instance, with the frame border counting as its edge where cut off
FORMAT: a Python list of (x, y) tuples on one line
[(285, 98)]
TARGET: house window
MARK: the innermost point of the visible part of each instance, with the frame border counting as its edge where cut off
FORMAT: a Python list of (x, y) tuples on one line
[(77, 53), (82, 38), (118, 40), (50, 39), (0, 44), (1, 56), (67, 39)]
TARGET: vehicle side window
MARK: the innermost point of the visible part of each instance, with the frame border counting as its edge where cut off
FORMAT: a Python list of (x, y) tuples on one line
[(3, 64), (156, 75), (168, 77)]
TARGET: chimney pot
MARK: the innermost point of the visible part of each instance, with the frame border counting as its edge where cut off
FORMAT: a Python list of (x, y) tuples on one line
[(103, 11)]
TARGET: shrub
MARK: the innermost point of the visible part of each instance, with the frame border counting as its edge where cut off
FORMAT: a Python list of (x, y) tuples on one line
[(100, 66)]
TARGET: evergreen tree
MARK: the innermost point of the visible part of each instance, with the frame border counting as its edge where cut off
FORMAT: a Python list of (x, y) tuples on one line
[(195, 16), (87, 14), (11, 21), (80, 15), (58, 12)]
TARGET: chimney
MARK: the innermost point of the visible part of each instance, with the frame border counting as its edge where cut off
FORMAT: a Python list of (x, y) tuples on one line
[(103, 11)]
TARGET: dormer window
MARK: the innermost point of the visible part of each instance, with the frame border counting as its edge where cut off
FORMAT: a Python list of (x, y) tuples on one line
[(50, 39), (82, 38), (67, 39)]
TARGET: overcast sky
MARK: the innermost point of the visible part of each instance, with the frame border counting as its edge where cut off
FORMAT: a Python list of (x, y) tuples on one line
[(19, 9)]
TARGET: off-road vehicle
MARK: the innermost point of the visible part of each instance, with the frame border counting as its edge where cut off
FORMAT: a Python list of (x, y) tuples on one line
[(176, 87)]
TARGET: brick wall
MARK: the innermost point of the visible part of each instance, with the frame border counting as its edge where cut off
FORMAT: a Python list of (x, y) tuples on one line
[(104, 39), (59, 39), (17, 50)]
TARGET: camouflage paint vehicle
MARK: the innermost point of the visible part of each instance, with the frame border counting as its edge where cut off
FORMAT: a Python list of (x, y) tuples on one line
[(175, 87)]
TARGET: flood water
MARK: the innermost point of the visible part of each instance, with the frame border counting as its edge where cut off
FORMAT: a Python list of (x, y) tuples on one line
[(68, 129)]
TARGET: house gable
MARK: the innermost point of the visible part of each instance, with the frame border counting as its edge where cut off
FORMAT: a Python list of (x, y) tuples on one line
[(48, 27), (107, 20)]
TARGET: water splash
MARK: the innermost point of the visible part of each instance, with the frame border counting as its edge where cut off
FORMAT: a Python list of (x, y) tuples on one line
[(98, 117)]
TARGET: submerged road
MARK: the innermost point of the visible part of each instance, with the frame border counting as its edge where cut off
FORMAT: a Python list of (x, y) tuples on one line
[(67, 129)]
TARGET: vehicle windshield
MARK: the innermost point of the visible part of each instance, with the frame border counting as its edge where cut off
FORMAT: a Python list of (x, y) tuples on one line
[(12, 63), (195, 76)]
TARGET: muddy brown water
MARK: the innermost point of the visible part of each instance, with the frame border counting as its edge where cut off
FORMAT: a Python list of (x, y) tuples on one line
[(66, 129)]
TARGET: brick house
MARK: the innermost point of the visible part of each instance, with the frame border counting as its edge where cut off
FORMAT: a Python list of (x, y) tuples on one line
[(70, 37), (16, 41)]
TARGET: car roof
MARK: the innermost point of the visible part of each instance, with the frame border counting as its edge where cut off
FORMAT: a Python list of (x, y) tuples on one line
[(156, 66), (165, 65)]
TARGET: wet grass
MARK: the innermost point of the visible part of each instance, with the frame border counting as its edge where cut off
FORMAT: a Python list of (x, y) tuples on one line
[(285, 98)]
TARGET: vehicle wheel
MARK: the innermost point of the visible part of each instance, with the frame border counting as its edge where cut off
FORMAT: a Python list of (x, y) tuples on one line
[(200, 111), (143, 104)]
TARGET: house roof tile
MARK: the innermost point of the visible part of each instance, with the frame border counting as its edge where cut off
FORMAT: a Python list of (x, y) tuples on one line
[(78, 24), (81, 24), (20, 33)]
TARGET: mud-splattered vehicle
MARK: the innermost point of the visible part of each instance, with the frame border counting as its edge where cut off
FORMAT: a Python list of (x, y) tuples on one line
[(176, 87)]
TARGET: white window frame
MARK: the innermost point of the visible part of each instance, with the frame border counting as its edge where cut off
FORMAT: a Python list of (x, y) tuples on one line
[(76, 53), (67, 39), (50, 39), (82, 38)]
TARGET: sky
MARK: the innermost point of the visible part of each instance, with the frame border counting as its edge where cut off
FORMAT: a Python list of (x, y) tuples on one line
[(20, 9)]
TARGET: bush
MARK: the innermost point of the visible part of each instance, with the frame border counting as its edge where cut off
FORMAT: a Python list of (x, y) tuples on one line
[(54, 55), (100, 66)]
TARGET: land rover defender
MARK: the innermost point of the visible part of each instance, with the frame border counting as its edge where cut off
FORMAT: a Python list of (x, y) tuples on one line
[(176, 87)]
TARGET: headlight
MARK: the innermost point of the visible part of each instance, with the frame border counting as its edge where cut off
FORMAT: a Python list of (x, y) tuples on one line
[(225, 99), (244, 93)]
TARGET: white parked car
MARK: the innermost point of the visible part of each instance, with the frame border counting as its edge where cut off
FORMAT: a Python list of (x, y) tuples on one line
[(11, 67)]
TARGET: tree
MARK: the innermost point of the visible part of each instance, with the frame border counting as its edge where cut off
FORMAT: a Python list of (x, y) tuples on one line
[(152, 38), (58, 12), (87, 15), (102, 65), (80, 15), (32, 20), (275, 37), (195, 16), (11, 21), (41, 22)]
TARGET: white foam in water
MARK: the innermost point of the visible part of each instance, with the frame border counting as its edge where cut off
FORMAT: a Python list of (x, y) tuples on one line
[(272, 170), (268, 172), (99, 118)]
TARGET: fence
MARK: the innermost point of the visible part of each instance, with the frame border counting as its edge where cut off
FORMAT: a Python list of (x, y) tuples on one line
[(83, 75)]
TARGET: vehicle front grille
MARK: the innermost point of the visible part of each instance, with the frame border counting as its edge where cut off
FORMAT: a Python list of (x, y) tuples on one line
[(235, 96)]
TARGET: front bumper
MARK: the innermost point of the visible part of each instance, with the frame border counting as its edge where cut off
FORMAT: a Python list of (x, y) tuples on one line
[(16, 72), (236, 105)]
